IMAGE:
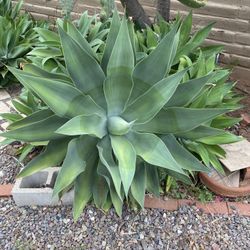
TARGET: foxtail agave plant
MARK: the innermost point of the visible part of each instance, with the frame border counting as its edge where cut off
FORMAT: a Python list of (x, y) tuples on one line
[(113, 124)]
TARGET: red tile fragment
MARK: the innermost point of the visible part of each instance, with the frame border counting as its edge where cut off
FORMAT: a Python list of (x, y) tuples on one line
[(239, 207), (153, 202), (213, 207), (5, 190)]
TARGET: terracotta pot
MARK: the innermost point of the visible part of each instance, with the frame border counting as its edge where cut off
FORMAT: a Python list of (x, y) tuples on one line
[(224, 190)]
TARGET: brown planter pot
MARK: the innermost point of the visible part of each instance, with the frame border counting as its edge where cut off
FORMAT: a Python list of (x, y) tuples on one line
[(223, 190)]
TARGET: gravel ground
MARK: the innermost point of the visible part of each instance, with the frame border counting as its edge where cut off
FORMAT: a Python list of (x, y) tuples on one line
[(53, 228), (8, 168)]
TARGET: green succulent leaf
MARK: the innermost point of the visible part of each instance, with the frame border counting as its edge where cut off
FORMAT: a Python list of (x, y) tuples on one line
[(143, 75), (106, 157), (181, 155), (201, 132), (20, 107), (152, 180), (79, 38), (119, 69), (115, 196), (37, 116), (36, 71), (43, 130), (63, 99), (84, 184), (126, 156), (47, 35), (138, 185), (146, 106), (186, 92), (194, 42), (220, 139), (80, 125), (100, 190), (11, 117), (83, 68), (153, 150), (178, 120), (112, 35), (74, 163), (52, 156)]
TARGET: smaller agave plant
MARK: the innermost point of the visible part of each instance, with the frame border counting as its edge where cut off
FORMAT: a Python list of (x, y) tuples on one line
[(17, 38), (112, 124)]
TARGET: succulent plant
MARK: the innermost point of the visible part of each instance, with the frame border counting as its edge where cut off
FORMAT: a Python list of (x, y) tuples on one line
[(6, 8), (113, 123), (17, 39)]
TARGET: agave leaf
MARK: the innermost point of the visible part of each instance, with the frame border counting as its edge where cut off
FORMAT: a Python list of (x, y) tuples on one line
[(43, 130), (138, 185), (43, 52), (201, 132), (21, 107), (25, 151), (221, 139), (200, 149), (180, 177), (216, 163), (153, 150), (84, 185), (37, 71), (146, 106), (48, 35), (185, 29), (216, 150), (112, 35), (11, 117), (143, 75), (212, 50), (80, 125), (187, 91), (115, 197), (63, 99), (116, 200), (75, 162), (79, 38), (126, 156), (52, 156), (106, 157), (118, 84), (224, 122), (194, 42), (182, 156), (100, 190), (33, 118), (84, 70), (152, 180), (179, 120)]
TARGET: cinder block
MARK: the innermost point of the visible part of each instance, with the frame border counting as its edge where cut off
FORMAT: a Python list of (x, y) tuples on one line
[(37, 189)]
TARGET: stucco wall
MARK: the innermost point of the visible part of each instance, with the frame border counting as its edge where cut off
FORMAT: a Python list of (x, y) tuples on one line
[(232, 27)]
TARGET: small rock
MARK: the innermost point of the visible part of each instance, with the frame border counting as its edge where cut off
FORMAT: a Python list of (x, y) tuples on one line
[(66, 221), (141, 236), (84, 228)]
